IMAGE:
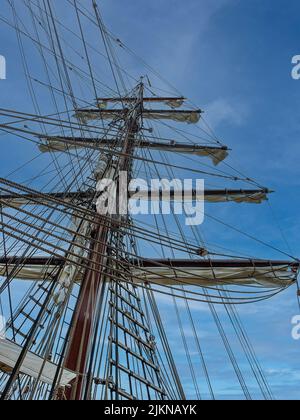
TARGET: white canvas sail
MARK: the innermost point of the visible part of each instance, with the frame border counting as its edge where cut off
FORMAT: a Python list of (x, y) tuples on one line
[(56, 144), (190, 117), (267, 277), (199, 273), (33, 365)]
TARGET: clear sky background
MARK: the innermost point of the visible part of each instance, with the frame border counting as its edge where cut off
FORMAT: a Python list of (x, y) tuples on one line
[(233, 59)]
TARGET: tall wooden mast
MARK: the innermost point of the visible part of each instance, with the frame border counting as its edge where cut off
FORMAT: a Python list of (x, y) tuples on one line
[(77, 355)]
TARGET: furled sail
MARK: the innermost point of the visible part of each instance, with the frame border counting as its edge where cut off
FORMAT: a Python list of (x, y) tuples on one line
[(30, 272), (34, 268), (211, 196), (190, 117), (206, 273), (172, 102), (33, 365), (213, 272), (61, 144), (19, 200)]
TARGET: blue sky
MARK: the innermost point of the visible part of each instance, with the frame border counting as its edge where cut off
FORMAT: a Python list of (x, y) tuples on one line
[(233, 59)]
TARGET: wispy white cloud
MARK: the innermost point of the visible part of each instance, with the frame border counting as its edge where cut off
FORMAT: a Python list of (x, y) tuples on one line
[(226, 111)]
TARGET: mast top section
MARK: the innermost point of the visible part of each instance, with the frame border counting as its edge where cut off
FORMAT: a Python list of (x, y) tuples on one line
[(102, 112), (190, 117), (173, 102)]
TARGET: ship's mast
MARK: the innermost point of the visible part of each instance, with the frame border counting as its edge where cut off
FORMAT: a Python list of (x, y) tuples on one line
[(80, 340)]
